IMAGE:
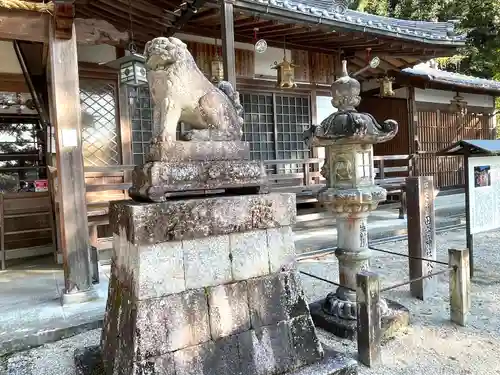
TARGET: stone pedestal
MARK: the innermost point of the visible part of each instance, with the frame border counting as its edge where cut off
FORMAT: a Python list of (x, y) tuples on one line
[(207, 286), (180, 168)]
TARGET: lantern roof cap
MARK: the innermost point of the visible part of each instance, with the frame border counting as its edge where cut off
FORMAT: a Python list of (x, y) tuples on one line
[(132, 56), (347, 125)]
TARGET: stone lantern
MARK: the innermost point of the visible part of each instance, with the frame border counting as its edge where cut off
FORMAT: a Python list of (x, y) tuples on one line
[(350, 193)]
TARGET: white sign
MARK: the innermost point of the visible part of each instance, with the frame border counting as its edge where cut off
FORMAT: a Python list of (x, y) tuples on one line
[(69, 138), (484, 193)]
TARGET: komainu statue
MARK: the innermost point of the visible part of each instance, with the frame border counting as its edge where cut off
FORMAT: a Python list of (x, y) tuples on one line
[(182, 93)]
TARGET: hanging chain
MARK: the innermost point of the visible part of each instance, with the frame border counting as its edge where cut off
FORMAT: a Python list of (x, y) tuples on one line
[(131, 47)]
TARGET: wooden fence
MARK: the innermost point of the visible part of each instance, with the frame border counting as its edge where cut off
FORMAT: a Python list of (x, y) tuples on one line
[(437, 130)]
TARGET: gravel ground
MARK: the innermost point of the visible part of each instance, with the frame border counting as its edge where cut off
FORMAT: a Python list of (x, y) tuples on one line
[(430, 346)]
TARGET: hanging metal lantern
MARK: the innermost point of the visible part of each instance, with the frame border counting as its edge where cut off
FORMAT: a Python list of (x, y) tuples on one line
[(386, 86), (217, 66), (286, 74), (132, 69), (458, 105), (132, 66)]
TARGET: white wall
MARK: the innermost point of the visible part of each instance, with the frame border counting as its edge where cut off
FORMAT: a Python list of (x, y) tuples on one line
[(9, 62), (444, 97), (96, 53), (324, 108)]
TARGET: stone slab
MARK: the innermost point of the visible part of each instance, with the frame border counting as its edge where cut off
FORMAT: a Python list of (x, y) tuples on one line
[(266, 350), (155, 181), (170, 323), (88, 361), (275, 298), (160, 270), (150, 223), (207, 261), (177, 151), (281, 246), (306, 348), (211, 358), (398, 318), (228, 309), (250, 255)]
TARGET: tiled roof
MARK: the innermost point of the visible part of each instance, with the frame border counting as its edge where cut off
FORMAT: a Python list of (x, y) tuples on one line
[(456, 79), (429, 32)]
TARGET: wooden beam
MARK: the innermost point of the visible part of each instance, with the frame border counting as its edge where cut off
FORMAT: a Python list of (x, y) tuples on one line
[(186, 14), (64, 13), (93, 31), (33, 27), (66, 117), (24, 25), (227, 23)]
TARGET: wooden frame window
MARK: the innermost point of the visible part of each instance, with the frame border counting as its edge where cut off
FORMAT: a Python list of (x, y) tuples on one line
[(100, 127)]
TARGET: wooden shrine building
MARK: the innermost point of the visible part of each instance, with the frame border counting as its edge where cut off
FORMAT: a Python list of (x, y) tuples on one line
[(85, 130)]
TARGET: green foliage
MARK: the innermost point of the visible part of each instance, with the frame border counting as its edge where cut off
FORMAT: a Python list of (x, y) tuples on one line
[(479, 19)]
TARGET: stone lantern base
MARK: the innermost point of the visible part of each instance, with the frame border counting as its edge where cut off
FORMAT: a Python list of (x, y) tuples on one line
[(396, 318)]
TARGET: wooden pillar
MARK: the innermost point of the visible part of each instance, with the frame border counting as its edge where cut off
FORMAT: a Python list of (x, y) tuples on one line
[(228, 54), (369, 333), (459, 286), (66, 118)]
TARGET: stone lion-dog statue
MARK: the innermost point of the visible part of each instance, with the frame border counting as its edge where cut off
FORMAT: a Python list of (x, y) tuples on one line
[(182, 93)]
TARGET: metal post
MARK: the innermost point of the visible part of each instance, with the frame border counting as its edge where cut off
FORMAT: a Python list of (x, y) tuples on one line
[(459, 286), (421, 234), (469, 237), (369, 331)]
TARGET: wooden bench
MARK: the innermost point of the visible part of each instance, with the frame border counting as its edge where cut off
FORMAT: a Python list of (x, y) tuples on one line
[(393, 177), (26, 225)]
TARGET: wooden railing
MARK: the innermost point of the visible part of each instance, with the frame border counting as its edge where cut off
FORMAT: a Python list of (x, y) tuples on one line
[(105, 184), (304, 184), (393, 177)]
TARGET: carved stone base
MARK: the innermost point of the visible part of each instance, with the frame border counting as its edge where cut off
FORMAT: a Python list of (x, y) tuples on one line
[(156, 181), (361, 199), (186, 151), (344, 308), (396, 318)]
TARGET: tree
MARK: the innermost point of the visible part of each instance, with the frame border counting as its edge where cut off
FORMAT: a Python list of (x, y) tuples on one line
[(479, 19)]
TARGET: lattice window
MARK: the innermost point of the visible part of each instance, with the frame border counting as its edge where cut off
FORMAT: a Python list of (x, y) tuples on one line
[(100, 135), (142, 122), (141, 115), (292, 119), (258, 128)]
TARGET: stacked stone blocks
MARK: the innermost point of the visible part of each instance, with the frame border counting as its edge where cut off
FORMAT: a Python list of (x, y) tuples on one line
[(200, 290)]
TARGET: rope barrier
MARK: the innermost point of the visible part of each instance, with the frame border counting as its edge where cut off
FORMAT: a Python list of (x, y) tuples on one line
[(408, 256), (327, 281), (417, 279), (28, 5)]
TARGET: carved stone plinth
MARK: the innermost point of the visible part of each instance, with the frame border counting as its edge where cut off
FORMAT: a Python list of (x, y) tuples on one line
[(156, 181)]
